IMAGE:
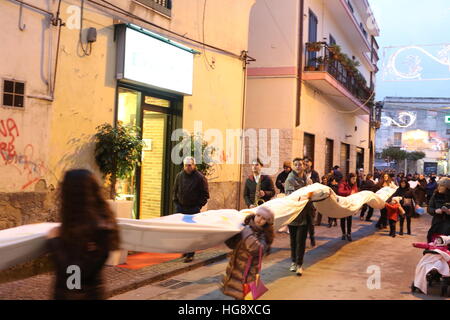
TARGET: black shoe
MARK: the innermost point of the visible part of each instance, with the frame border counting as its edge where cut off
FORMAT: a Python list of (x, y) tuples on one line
[(313, 243), (335, 224), (349, 237), (188, 259), (400, 233), (330, 225), (343, 237), (361, 218), (408, 233)]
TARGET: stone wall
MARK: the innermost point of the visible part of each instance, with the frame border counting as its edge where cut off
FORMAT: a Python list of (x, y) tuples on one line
[(19, 208)]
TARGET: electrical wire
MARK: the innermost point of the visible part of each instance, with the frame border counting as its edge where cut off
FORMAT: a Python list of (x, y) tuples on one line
[(117, 9), (203, 27)]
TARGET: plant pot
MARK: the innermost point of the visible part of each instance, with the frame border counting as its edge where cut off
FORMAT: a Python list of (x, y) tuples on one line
[(313, 49), (310, 68), (321, 67)]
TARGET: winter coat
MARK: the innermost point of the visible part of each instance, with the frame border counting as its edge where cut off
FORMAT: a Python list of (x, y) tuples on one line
[(190, 190), (393, 210), (344, 189), (281, 178), (431, 187), (250, 189), (407, 197), (420, 191), (441, 222), (293, 183), (245, 244)]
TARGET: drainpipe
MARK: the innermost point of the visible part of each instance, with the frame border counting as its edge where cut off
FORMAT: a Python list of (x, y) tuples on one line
[(300, 62)]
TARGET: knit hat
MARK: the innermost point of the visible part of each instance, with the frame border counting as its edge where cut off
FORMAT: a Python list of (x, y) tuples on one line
[(266, 213), (444, 182)]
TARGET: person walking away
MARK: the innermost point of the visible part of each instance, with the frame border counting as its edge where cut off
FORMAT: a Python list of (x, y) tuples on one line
[(393, 211), (347, 187), (87, 234), (190, 193), (258, 181), (439, 208), (298, 228), (281, 178), (312, 177), (421, 190), (334, 185), (367, 185), (257, 233), (323, 181), (431, 187)]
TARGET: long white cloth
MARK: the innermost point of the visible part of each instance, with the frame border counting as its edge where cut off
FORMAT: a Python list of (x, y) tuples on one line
[(187, 233), (430, 262)]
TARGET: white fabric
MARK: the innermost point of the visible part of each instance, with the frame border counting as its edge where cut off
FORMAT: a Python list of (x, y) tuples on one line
[(429, 262), (413, 184), (187, 233)]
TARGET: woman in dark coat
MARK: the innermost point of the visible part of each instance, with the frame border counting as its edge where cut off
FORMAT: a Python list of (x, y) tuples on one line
[(431, 187), (439, 208), (87, 234), (407, 203), (367, 185), (420, 191), (258, 232)]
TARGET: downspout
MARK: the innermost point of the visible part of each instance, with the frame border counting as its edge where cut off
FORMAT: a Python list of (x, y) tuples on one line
[(244, 101), (299, 63), (57, 22)]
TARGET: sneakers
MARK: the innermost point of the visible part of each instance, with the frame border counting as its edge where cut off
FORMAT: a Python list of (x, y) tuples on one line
[(293, 267), (299, 271)]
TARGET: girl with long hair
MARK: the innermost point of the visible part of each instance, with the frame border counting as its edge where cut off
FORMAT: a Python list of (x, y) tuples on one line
[(347, 186), (87, 234)]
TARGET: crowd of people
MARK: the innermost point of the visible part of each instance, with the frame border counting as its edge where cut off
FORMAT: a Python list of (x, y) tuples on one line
[(88, 230)]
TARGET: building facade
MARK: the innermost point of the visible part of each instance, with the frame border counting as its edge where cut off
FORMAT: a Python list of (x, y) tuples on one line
[(302, 85), (73, 65), (416, 124)]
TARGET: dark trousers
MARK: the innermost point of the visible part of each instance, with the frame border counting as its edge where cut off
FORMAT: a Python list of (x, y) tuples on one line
[(319, 219), (363, 212), (392, 224), (347, 220), (408, 223), (298, 235), (332, 220), (311, 229), (382, 222), (187, 210)]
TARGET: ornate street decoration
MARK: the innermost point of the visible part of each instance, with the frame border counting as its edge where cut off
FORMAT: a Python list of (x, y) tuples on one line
[(407, 63), (405, 120)]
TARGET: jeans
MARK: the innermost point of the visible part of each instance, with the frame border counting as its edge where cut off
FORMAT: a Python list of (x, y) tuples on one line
[(363, 212), (298, 235), (187, 210), (408, 223), (349, 225)]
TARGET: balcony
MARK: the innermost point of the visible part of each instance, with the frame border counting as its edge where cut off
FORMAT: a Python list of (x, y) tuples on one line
[(334, 74), (162, 6)]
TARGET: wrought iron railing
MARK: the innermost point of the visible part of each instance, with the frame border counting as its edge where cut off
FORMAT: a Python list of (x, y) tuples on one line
[(322, 57), (163, 6)]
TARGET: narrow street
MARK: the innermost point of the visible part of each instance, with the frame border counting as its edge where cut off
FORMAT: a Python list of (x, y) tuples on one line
[(333, 270)]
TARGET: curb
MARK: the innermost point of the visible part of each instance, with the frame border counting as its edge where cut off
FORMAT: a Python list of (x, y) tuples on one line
[(163, 276)]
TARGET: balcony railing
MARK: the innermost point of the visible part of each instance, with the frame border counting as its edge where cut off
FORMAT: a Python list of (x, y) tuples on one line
[(322, 57), (163, 6)]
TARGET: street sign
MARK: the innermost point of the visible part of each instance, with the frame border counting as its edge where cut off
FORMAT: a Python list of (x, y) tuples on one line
[(447, 119)]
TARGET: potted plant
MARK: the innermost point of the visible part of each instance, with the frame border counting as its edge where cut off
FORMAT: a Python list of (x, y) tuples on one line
[(314, 46), (334, 49), (117, 153), (321, 61)]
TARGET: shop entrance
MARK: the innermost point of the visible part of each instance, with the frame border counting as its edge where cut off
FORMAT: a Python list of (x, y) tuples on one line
[(151, 186)]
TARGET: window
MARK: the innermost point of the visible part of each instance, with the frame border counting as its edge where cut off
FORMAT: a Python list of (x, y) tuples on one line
[(329, 150), (397, 139), (332, 40), (308, 146), (448, 131), (163, 6), (13, 93)]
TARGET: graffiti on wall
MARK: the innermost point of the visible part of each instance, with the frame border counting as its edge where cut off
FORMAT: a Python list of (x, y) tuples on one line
[(25, 162)]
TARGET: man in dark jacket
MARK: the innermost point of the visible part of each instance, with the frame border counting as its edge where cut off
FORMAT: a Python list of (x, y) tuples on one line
[(368, 185), (267, 189), (283, 175), (190, 192), (312, 176)]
